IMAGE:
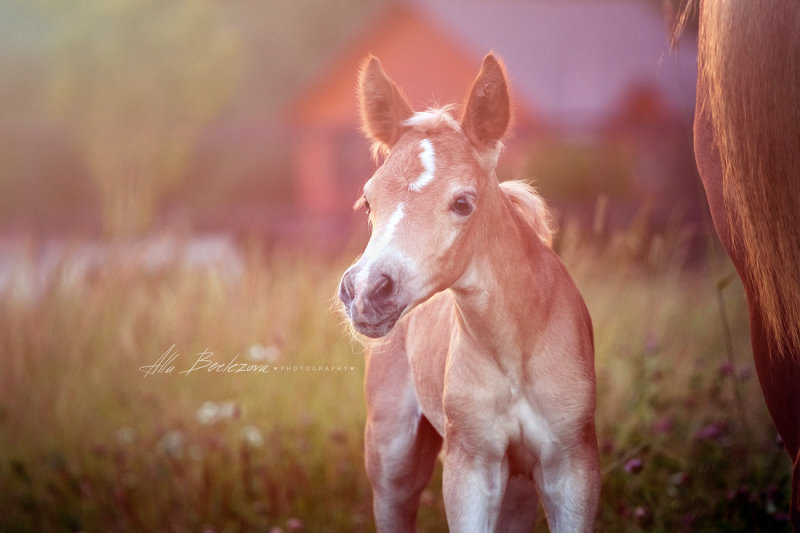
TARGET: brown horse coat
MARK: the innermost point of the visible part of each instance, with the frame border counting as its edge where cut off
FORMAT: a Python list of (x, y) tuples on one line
[(747, 147)]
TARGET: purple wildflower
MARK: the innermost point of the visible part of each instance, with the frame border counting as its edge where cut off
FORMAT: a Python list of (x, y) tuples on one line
[(651, 344), (294, 524), (662, 425), (634, 466), (711, 431), (725, 369)]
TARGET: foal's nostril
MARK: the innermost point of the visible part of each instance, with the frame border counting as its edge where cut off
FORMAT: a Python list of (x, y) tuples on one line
[(383, 289), (346, 289)]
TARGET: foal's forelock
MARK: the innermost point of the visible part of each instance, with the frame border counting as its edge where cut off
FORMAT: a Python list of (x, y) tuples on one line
[(440, 118), (433, 118), (437, 119)]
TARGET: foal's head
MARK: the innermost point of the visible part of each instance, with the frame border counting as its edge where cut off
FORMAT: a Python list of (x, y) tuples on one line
[(428, 201)]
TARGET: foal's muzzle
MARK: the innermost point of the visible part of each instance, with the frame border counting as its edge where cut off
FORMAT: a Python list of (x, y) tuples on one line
[(373, 307)]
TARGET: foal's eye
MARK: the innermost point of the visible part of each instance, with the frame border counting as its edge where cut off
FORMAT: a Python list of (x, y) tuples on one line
[(462, 206), (362, 203)]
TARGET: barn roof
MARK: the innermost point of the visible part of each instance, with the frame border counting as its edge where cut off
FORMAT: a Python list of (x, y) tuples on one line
[(575, 59)]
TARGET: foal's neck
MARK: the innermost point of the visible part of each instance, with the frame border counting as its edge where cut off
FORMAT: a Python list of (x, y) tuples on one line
[(505, 294)]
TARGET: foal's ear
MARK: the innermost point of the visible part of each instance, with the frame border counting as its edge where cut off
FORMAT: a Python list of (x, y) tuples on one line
[(383, 107), (487, 113)]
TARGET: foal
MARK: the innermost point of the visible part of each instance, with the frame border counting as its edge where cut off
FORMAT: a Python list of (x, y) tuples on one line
[(487, 344)]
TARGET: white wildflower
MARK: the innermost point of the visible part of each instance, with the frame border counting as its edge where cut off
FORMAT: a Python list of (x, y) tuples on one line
[(126, 435), (252, 436), (172, 443), (211, 412), (207, 414), (227, 411), (258, 353)]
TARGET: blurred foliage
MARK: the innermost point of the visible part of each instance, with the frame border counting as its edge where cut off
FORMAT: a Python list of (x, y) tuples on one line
[(135, 96), (581, 171), (23, 60), (157, 106), (136, 81)]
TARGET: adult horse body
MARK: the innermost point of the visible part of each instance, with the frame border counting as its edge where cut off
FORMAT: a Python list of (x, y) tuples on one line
[(747, 146), (485, 346)]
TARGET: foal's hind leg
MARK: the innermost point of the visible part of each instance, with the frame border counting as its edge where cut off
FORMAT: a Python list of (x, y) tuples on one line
[(401, 445)]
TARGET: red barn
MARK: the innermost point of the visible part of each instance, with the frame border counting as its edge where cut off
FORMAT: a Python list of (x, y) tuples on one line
[(574, 67)]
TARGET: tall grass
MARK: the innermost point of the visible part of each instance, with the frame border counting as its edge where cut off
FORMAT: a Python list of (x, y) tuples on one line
[(686, 441), (88, 442)]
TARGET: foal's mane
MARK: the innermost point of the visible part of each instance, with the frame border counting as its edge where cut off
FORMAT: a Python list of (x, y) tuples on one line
[(532, 208)]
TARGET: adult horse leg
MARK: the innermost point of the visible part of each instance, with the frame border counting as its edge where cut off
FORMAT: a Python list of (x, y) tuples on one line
[(779, 376), (401, 445)]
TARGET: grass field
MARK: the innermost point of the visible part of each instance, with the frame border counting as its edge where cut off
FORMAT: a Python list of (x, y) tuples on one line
[(90, 441)]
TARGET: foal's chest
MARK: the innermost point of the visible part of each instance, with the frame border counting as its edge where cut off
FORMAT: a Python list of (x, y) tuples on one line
[(476, 392)]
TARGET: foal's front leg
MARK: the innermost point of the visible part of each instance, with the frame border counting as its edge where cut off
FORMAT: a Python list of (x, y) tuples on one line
[(399, 470), (476, 472), (569, 485), (473, 487), (401, 445)]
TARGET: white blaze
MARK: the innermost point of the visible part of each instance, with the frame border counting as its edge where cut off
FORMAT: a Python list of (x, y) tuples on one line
[(378, 244), (428, 159)]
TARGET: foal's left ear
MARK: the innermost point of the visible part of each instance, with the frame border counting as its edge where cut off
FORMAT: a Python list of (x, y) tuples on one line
[(488, 110), (383, 107)]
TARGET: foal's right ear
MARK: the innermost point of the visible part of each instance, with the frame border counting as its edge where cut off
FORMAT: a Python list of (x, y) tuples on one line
[(383, 107), (488, 110)]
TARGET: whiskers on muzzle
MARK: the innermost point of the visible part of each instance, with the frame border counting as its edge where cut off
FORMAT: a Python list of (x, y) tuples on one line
[(371, 301)]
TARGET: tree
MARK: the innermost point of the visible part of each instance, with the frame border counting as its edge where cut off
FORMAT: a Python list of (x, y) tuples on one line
[(135, 82)]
